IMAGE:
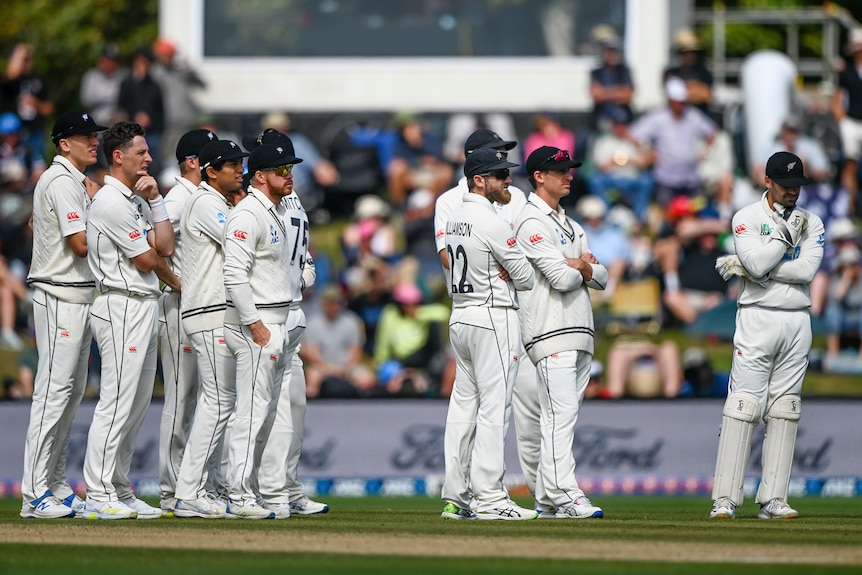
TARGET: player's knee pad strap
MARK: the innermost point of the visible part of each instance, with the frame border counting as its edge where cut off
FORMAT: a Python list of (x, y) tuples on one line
[(742, 406), (786, 407)]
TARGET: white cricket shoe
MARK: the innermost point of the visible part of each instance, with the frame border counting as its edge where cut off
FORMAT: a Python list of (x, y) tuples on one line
[(306, 506), (723, 508), (580, 508), (249, 510), (78, 506), (219, 503), (281, 510), (452, 511), (545, 513), (46, 507), (777, 509), (507, 510), (201, 507), (144, 509), (109, 509)]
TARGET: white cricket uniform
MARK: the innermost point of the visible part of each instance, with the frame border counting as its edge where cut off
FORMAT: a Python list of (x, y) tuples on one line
[(771, 346), (203, 308), (485, 334), (257, 252), (525, 399), (559, 336), (124, 319), (179, 368), (63, 291), (278, 472)]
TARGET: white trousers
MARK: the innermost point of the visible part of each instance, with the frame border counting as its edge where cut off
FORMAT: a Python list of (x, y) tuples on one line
[(259, 373), (63, 340), (180, 371), (285, 439), (201, 464), (526, 414), (486, 343), (563, 379), (126, 330)]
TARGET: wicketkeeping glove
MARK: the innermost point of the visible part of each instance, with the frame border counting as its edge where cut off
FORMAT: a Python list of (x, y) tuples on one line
[(729, 266), (789, 225)]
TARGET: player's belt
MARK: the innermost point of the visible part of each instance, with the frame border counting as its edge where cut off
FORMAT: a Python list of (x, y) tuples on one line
[(127, 293)]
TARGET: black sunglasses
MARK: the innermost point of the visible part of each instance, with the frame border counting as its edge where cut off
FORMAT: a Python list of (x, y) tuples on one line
[(499, 174)]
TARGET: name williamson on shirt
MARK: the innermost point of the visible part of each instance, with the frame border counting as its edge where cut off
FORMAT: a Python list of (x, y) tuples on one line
[(459, 229)]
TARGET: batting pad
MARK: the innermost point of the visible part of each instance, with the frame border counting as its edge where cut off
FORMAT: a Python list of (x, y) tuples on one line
[(739, 420), (782, 421)]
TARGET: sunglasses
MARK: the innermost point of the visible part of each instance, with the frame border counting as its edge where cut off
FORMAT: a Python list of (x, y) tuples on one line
[(281, 170), (560, 156), (499, 174)]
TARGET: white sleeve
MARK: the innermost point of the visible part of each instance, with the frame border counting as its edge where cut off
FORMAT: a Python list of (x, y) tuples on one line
[(504, 248), (66, 197), (210, 219), (442, 209), (309, 273), (542, 253), (803, 269), (240, 242), (757, 258)]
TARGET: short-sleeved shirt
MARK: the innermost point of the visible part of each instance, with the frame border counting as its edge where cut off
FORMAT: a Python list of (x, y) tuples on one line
[(335, 338), (60, 205), (117, 228)]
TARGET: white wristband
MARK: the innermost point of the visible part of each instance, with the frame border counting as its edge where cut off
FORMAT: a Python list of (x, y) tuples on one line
[(157, 206)]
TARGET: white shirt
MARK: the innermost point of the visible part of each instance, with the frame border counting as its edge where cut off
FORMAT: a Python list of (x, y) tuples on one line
[(60, 205), (117, 228), (175, 201), (202, 225), (301, 274), (479, 243), (789, 270)]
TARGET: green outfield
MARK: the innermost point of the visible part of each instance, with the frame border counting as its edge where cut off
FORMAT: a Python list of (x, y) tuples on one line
[(405, 535)]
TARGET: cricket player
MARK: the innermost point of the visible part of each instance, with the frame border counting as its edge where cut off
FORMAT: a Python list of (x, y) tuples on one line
[(484, 330), (779, 248), (525, 399), (203, 308), (557, 325), (279, 485), (259, 244), (179, 366), (63, 291), (128, 228)]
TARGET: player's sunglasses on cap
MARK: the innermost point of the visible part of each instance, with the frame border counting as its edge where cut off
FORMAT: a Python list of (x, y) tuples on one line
[(282, 171), (499, 174), (549, 158)]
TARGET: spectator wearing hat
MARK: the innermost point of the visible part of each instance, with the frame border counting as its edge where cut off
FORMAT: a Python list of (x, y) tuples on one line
[(844, 307), (15, 152), (692, 69), (621, 165), (849, 116), (333, 351), (63, 285), (673, 133), (417, 161), (607, 242), (142, 101), (179, 364), (27, 94), (611, 84), (100, 86)]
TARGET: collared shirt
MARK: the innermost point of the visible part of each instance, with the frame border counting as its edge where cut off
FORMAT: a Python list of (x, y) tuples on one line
[(675, 143)]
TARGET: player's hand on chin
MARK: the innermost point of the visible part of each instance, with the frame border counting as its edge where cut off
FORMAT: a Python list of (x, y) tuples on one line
[(146, 186)]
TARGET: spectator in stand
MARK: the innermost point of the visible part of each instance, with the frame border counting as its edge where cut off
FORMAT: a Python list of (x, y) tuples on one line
[(641, 368), (715, 169), (849, 116), (673, 133), (844, 308), (621, 165), (141, 99), (368, 298), (26, 94), (177, 80), (409, 351), (692, 69), (419, 237), (100, 86), (417, 161), (14, 150), (611, 84), (370, 234), (333, 351), (686, 254), (608, 244), (549, 132)]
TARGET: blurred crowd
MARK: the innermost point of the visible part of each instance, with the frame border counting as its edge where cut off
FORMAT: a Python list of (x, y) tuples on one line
[(655, 196)]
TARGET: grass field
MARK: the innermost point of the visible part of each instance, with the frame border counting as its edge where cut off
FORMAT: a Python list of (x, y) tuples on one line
[(405, 535)]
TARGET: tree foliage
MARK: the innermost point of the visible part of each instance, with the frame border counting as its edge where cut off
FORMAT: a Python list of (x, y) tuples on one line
[(69, 35)]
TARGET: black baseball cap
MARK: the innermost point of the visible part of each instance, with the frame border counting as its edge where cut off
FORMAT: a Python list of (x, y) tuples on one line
[(785, 169), (550, 158), (269, 136), (486, 160), (486, 139), (220, 151), (192, 142), (72, 123), (268, 156)]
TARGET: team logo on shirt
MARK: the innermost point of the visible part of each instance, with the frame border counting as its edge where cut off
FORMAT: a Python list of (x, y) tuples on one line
[(511, 242), (440, 234), (222, 219), (187, 349), (133, 349), (739, 229), (765, 229), (536, 238), (134, 234), (273, 234), (563, 240), (221, 340), (73, 216), (240, 235), (64, 333), (273, 357)]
